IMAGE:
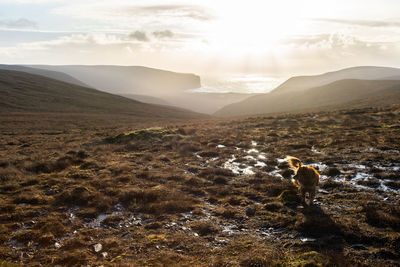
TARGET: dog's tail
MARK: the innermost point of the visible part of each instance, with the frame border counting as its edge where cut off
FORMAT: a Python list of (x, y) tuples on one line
[(294, 163)]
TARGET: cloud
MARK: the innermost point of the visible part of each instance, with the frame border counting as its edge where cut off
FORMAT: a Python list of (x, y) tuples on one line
[(363, 23), (188, 11), (21, 23), (163, 34), (319, 51), (139, 36), (122, 14), (33, 1), (328, 41)]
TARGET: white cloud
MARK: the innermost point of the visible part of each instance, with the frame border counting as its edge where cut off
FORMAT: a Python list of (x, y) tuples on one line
[(32, 1), (360, 22), (151, 15)]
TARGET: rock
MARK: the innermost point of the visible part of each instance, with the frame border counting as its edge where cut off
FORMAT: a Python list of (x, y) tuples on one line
[(98, 247), (250, 212), (104, 255)]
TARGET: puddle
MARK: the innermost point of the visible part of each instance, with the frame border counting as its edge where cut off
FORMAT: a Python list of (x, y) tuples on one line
[(307, 239), (130, 219), (316, 151), (230, 229), (276, 173), (318, 166), (357, 166), (262, 156), (282, 160), (270, 232), (260, 164), (236, 167), (373, 149), (212, 159), (359, 173)]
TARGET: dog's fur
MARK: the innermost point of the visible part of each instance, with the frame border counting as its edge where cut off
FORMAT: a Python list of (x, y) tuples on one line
[(305, 178)]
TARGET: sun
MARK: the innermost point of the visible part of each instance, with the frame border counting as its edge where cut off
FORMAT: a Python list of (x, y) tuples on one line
[(244, 27)]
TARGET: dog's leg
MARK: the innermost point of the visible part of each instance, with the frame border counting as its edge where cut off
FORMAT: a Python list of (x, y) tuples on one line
[(312, 196), (303, 195)]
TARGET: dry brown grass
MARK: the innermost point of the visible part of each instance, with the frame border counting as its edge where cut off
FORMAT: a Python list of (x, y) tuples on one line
[(160, 204)]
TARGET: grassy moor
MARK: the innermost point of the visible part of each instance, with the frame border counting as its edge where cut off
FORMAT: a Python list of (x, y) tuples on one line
[(111, 190)]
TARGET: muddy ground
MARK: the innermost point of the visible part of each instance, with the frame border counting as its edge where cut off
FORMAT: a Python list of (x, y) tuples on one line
[(110, 191)]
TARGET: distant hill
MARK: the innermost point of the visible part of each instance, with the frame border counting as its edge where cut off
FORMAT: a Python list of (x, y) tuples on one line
[(129, 79), (397, 77), (146, 99), (46, 73), (301, 83), (24, 92), (150, 86), (343, 92), (205, 102)]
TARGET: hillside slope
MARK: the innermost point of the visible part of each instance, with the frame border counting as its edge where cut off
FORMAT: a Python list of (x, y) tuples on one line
[(337, 93), (46, 73), (146, 99), (129, 79), (301, 83), (24, 92)]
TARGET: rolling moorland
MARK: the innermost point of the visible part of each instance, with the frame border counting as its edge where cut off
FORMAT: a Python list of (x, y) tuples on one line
[(148, 85), (352, 87), (24, 92), (60, 76), (84, 184), (104, 189)]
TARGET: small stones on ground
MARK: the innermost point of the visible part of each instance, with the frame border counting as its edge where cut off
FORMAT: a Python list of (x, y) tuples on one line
[(98, 247)]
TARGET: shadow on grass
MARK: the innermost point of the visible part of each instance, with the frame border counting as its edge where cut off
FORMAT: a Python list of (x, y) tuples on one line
[(319, 226)]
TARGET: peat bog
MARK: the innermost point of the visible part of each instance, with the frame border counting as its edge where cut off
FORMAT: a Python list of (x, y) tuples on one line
[(112, 191)]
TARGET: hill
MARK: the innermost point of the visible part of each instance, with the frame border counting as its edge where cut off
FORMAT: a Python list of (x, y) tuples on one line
[(24, 92), (204, 102), (301, 83), (46, 73), (151, 86), (146, 99), (343, 92), (129, 79)]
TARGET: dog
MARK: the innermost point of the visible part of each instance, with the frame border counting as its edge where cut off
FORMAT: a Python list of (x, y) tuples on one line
[(305, 178)]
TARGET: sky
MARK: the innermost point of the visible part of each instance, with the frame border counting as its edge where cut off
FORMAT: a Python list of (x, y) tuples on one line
[(211, 37)]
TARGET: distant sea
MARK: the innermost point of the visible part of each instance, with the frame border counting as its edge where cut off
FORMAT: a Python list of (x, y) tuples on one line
[(245, 84)]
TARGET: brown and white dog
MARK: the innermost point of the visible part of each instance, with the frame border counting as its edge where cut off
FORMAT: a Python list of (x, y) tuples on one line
[(306, 178)]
